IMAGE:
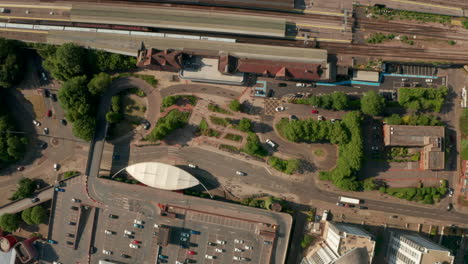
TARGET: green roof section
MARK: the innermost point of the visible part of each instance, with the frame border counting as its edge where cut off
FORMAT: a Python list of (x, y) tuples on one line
[(180, 19)]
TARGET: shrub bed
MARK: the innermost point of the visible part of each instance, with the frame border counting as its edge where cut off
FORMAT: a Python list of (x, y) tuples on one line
[(233, 137), (286, 166), (422, 98), (165, 125), (216, 108)]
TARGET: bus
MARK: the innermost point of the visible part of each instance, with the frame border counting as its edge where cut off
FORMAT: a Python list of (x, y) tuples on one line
[(349, 200)]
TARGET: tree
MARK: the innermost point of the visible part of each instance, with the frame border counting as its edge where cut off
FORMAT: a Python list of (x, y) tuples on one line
[(11, 62), (372, 103), (10, 222), (67, 62), (99, 83), (26, 216), (84, 128), (340, 100), (38, 214), (235, 106), (245, 125), (26, 188), (113, 117), (369, 184), (253, 146)]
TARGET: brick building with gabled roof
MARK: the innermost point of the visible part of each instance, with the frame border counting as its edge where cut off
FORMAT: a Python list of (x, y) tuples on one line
[(160, 60)]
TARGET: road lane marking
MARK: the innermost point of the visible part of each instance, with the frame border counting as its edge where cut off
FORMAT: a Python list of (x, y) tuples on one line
[(431, 5), (318, 26), (23, 30), (34, 18)]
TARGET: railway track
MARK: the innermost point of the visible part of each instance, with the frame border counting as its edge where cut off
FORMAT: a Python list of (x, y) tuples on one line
[(396, 52), (403, 28)]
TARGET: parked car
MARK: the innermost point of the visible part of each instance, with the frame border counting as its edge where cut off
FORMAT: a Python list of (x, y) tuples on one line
[(238, 241), (449, 207), (128, 236), (54, 97), (236, 258), (49, 113), (280, 109), (300, 85), (193, 166), (162, 257), (293, 117), (450, 192), (363, 207), (320, 118), (74, 208), (248, 247), (428, 80), (136, 242), (194, 232), (219, 250), (56, 166), (314, 111), (50, 241), (187, 235), (124, 255), (35, 200), (46, 93), (128, 232), (340, 204), (221, 242), (210, 257), (20, 168), (70, 235), (138, 226), (107, 252), (46, 131), (63, 122), (44, 76), (76, 200), (108, 232), (240, 173), (238, 250), (136, 221), (271, 143), (72, 223), (133, 245), (183, 239), (36, 123), (146, 125), (59, 189), (211, 244), (113, 216), (190, 252)]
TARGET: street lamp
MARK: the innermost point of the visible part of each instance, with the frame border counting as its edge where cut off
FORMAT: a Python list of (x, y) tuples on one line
[(206, 189)]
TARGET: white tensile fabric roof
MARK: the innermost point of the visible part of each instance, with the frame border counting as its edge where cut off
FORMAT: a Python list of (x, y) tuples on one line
[(162, 176)]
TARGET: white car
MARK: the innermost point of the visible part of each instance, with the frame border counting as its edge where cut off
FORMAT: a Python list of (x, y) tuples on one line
[(271, 143), (300, 85), (36, 123), (238, 250), (136, 221), (56, 167), (320, 118), (248, 247), (107, 252), (193, 166), (156, 226), (238, 241), (428, 80), (133, 245), (236, 258), (280, 109), (46, 131), (240, 173), (128, 232), (220, 250), (108, 232), (209, 257), (221, 242)]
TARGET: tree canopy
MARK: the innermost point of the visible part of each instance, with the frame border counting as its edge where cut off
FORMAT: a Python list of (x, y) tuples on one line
[(245, 125), (372, 103), (79, 106), (335, 101), (99, 83), (253, 146), (10, 222), (67, 62), (235, 106), (11, 62), (26, 188), (165, 125), (430, 99)]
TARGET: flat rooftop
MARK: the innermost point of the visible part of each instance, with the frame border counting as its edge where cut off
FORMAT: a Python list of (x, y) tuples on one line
[(129, 45), (160, 17), (208, 72), (416, 136)]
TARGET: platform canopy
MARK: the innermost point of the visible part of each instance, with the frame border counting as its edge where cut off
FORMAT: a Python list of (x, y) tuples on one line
[(162, 176)]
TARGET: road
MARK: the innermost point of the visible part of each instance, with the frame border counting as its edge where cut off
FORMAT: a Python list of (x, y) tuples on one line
[(224, 166), (19, 205)]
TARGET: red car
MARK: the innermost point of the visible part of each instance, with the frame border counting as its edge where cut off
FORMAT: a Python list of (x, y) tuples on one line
[(136, 242), (49, 113), (314, 111), (190, 252)]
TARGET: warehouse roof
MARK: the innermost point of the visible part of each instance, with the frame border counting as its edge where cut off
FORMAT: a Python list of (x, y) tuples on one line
[(162, 176), (367, 76), (180, 19), (416, 136)]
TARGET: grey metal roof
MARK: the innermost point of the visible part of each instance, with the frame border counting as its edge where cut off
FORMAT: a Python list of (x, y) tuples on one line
[(180, 19)]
